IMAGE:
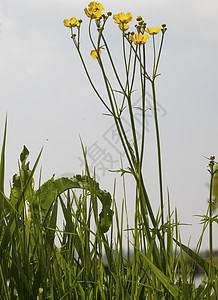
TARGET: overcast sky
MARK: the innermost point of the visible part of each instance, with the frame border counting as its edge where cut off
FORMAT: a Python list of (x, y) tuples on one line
[(49, 101)]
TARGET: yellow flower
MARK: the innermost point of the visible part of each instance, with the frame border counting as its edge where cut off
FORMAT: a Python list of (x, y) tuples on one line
[(139, 38), (94, 10), (121, 18), (123, 27), (71, 23), (94, 54), (153, 31)]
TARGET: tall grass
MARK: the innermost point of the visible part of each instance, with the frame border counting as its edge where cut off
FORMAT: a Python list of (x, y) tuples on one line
[(89, 263), (86, 258)]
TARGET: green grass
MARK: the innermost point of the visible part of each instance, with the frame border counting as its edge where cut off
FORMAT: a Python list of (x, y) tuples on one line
[(33, 267)]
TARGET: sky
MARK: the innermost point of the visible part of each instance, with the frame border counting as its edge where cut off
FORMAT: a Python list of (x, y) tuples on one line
[(50, 104)]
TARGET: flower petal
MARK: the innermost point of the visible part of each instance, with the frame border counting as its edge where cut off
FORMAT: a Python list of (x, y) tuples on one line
[(94, 54)]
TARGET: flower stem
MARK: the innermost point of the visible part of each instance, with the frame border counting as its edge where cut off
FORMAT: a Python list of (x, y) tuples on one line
[(211, 165), (159, 151), (130, 104), (154, 63), (159, 53)]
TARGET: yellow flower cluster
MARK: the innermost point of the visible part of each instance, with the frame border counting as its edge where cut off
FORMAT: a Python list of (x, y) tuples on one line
[(139, 38), (94, 10), (73, 22)]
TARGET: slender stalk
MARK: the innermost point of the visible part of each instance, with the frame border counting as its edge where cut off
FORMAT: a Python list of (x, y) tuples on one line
[(139, 60), (89, 78), (113, 66), (154, 56), (143, 84), (159, 170), (211, 165), (130, 104), (158, 150), (159, 53), (118, 122)]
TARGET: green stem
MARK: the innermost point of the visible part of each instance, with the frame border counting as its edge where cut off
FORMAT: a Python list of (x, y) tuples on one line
[(133, 75), (211, 164), (159, 53), (141, 64), (118, 122), (87, 73), (130, 104), (113, 66), (153, 39), (143, 84), (90, 80), (78, 39), (134, 166), (159, 152)]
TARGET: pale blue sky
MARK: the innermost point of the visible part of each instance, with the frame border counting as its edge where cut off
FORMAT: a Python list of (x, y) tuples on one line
[(49, 101)]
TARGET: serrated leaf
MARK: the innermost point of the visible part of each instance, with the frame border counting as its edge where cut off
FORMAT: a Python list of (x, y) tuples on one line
[(48, 192)]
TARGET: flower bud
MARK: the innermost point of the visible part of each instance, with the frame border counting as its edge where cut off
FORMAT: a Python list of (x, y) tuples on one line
[(139, 18)]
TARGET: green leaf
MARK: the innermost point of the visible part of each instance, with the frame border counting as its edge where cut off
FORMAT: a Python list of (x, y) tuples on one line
[(48, 192), (197, 258), (173, 290), (22, 183), (24, 154), (2, 168), (20, 204)]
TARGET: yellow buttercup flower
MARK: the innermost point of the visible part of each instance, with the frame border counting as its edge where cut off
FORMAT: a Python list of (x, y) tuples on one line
[(95, 54), (123, 27), (94, 10), (121, 18), (139, 38), (153, 31), (73, 22)]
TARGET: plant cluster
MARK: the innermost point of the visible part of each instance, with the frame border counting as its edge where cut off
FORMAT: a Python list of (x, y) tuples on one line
[(83, 259)]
